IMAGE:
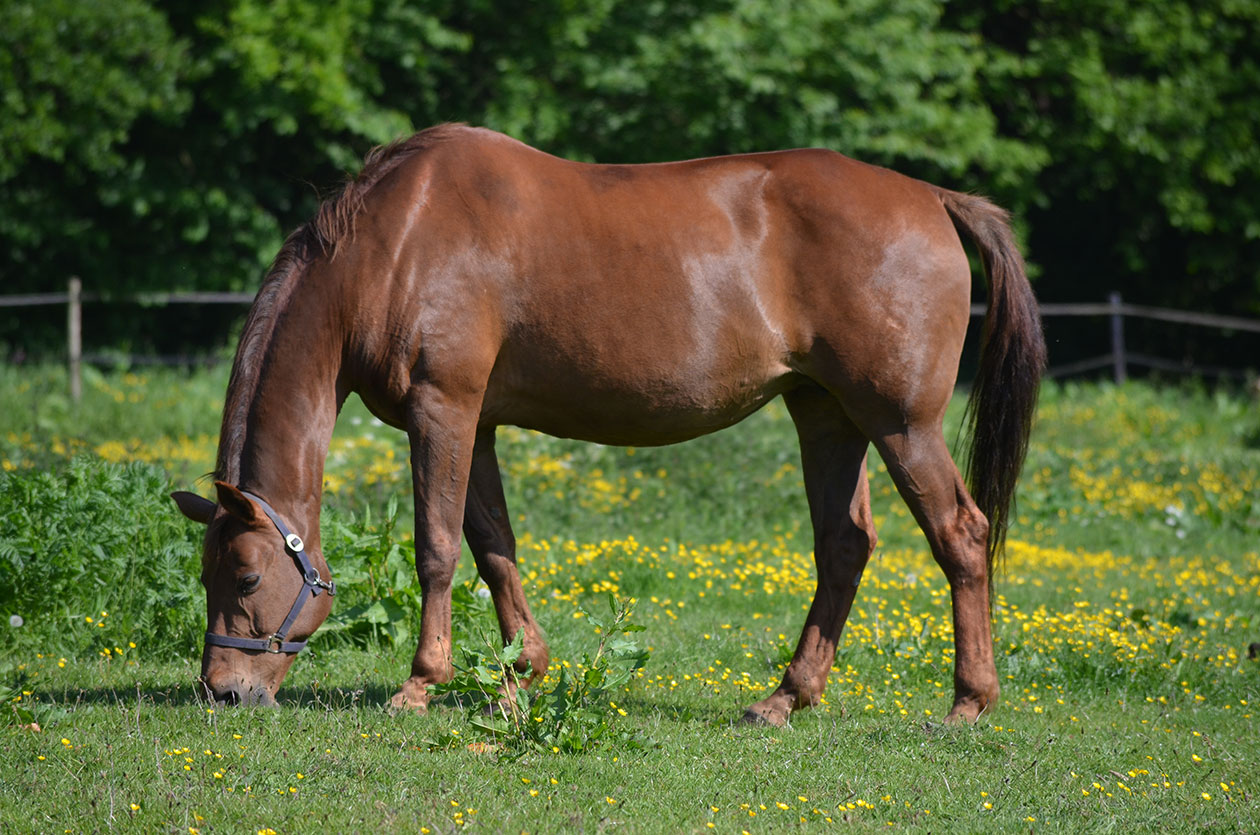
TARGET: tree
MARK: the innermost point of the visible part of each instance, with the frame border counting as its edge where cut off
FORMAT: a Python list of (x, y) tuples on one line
[(77, 78), (148, 149), (641, 81), (1148, 114), (161, 144)]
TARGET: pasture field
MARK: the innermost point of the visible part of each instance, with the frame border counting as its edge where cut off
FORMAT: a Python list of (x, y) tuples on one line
[(1122, 621)]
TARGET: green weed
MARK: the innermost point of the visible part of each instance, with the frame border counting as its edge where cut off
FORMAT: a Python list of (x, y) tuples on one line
[(577, 713)]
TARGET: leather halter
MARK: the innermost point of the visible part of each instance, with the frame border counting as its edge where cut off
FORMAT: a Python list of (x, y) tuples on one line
[(276, 643)]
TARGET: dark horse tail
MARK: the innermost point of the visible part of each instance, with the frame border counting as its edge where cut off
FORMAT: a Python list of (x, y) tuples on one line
[(1012, 358)]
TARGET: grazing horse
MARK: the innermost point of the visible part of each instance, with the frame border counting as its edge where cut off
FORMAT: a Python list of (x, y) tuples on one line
[(464, 280)]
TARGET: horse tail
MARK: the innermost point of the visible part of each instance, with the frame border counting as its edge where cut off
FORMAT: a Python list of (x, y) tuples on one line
[(1012, 358)]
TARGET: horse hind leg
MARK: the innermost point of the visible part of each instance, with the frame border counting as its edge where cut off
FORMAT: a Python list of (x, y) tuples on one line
[(957, 532), (489, 535), (833, 460)]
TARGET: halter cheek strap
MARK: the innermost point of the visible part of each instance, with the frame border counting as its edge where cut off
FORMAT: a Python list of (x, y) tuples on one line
[(276, 643)]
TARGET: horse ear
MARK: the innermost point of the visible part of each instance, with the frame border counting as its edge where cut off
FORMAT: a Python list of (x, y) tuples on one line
[(193, 506), (237, 503)]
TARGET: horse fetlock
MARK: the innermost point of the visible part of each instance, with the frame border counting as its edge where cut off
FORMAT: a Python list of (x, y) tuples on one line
[(535, 663), (805, 680)]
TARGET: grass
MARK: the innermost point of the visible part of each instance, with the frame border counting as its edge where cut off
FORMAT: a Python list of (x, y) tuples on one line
[(1130, 596)]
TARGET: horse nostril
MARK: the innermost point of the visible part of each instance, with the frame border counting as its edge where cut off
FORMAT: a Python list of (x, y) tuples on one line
[(219, 695), (262, 697), (237, 693), (225, 696)]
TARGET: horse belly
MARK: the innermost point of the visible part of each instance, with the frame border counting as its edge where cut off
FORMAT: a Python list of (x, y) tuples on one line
[(643, 405)]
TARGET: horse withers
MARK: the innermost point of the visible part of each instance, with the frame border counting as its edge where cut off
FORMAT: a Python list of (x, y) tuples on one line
[(464, 280)]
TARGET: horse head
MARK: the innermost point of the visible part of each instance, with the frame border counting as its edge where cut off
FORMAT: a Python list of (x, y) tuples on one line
[(264, 595)]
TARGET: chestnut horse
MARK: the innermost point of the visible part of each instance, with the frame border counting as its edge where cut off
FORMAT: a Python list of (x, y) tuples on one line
[(464, 280)]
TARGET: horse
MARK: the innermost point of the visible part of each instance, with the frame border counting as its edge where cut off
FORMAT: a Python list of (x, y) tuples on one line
[(464, 280)]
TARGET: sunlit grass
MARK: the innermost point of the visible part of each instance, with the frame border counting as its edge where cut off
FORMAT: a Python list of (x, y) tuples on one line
[(1130, 595)]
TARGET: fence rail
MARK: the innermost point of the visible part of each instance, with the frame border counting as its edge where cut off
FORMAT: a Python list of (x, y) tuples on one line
[(49, 299), (1115, 309)]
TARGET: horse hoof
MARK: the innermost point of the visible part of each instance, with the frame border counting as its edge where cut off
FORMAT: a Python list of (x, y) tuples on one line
[(965, 713), (756, 717), (401, 703)]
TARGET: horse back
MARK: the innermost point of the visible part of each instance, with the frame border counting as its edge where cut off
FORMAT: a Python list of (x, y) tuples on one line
[(695, 290)]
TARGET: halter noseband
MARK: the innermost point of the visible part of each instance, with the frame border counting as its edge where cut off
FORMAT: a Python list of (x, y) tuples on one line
[(276, 643)]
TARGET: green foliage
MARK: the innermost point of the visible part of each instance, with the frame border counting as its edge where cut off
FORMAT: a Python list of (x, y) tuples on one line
[(376, 580), (200, 130), (620, 81), (78, 80), (378, 595), (153, 144), (577, 714), (1147, 115), (94, 558), (76, 77)]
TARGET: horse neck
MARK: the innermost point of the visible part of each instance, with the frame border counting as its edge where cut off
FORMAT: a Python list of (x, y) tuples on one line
[(289, 405)]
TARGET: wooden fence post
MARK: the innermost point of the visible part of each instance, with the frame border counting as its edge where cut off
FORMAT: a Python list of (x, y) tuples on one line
[(1118, 364), (74, 327)]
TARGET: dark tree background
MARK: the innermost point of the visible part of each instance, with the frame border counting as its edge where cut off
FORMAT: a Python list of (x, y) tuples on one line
[(151, 145)]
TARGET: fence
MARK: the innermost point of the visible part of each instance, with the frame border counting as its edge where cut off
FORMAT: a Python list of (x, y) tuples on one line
[(1115, 309), (73, 299)]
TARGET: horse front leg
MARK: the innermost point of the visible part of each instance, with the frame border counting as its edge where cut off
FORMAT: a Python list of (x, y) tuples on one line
[(441, 429)]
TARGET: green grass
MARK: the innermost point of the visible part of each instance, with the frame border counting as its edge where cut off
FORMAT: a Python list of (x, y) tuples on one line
[(1131, 593)]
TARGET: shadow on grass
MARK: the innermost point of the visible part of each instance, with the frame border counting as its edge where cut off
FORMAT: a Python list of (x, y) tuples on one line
[(351, 694), (714, 715), (189, 694), (366, 696)]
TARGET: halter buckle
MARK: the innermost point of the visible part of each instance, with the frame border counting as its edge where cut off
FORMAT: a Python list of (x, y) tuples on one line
[(312, 579), (294, 542), (275, 644)]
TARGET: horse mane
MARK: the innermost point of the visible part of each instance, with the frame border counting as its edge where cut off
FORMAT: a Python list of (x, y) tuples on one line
[(332, 225), (334, 220)]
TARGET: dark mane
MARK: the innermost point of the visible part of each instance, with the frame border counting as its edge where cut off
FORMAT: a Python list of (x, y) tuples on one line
[(334, 221), (319, 237)]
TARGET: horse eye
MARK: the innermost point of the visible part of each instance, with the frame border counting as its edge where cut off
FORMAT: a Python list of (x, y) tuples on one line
[(248, 584)]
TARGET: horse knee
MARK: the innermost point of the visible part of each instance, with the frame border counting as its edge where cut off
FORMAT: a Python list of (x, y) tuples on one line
[(436, 570)]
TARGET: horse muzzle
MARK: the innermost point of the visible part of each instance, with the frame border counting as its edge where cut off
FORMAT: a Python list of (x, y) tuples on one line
[(237, 693)]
